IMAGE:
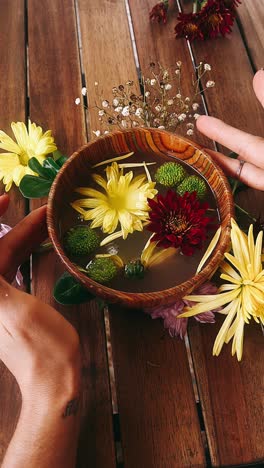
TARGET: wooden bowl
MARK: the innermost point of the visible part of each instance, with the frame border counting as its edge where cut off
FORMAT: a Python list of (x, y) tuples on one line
[(164, 145)]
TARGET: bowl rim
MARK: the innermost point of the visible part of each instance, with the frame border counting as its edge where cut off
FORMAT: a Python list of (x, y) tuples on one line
[(136, 299)]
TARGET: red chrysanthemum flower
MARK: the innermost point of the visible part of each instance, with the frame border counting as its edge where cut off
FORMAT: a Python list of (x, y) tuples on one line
[(159, 12), (188, 26), (215, 18), (179, 221)]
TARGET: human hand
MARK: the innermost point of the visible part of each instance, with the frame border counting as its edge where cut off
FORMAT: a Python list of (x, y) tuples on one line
[(38, 346), (249, 148), (44, 341), (17, 245)]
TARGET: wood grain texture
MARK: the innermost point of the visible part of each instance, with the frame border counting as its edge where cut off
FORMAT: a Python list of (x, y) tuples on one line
[(12, 104), (108, 59), (13, 87), (152, 143), (157, 43), (232, 99), (158, 418), (54, 82), (231, 395), (251, 19), (106, 51), (230, 391)]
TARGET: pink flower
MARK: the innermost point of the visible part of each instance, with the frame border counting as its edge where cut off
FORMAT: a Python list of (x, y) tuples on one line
[(169, 313), (18, 281)]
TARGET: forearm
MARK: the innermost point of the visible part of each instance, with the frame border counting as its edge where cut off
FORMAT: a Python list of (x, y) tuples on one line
[(47, 431)]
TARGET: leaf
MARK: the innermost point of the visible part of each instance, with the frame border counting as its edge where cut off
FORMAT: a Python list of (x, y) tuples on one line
[(61, 160), (34, 187), (56, 155), (68, 291), (50, 164), (35, 165)]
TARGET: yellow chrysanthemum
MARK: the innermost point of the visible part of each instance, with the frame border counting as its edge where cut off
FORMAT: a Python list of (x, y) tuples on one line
[(29, 143), (124, 202), (243, 295)]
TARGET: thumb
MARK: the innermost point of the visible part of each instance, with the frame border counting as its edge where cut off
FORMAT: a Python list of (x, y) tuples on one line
[(4, 202), (22, 240), (258, 85)]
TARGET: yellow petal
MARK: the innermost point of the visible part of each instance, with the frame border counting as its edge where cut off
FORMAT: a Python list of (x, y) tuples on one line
[(110, 221), (221, 336), (209, 304), (226, 268), (111, 237), (118, 158), (237, 345), (18, 174), (6, 143), (90, 192), (21, 134), (209, 250), (99, 180)]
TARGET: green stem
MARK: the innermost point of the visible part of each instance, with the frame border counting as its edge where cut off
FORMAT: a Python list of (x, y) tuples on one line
[(45, 247), (195, 6), (245, 212)]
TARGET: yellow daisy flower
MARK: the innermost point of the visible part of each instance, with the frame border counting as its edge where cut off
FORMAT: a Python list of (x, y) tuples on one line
[(242, 296), (125, 201), (29, 143)]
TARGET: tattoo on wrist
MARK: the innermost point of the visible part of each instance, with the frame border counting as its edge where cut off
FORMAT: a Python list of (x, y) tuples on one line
[(71, 408)]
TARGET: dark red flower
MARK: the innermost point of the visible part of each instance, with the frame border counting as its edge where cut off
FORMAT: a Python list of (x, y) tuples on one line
[(179, 221), (215, 18), (159, 12), (188, 26)]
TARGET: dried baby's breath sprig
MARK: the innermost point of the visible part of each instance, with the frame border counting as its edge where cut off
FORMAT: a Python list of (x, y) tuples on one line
[(161, 104)]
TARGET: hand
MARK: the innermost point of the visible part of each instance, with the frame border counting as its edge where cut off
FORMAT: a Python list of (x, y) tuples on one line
[(41, 349), (17, 245), (38, 346), (47, 345), (250, 148)]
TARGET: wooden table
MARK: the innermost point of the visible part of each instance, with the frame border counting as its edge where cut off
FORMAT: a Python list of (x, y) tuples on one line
[(165, 416)]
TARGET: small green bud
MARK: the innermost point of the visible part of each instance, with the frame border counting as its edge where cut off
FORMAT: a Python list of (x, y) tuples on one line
[(80, 241), (170, 174), (193, 184), (134, 269), (102, 269)]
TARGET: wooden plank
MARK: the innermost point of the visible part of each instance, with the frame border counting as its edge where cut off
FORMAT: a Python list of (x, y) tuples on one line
[(106, 50), (158, 418), (54, 82), (148, 396), (251, 20), (231, 393), (156, 43), (12, 103), (233, 98)]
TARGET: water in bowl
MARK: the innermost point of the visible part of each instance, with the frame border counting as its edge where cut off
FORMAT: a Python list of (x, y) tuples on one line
[(172, 271)]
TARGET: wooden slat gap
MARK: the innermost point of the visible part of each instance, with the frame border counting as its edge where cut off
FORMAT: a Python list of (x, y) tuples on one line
[(244, 39)]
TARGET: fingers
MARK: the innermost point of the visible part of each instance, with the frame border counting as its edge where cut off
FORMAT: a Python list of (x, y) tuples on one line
[(249, 147), (4, 202), (24, 238), (250, 175), (258, 85)]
